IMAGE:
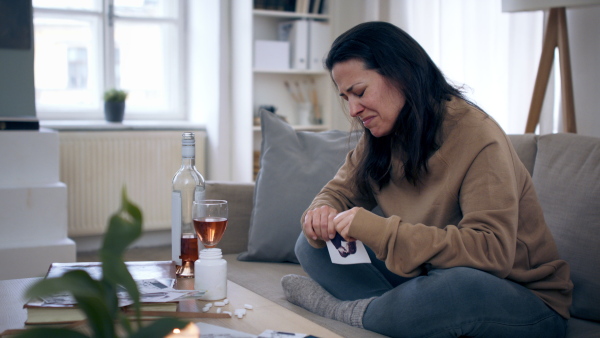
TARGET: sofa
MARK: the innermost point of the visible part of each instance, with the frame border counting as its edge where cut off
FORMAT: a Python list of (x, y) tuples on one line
[(264, 217)]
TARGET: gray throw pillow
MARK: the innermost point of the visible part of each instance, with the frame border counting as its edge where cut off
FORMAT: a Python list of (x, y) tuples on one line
[(566, 178), (294, 166)]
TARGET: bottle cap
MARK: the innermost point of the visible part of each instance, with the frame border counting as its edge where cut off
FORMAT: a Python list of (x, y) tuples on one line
[(188, 138), (212, 253), (188, 145)]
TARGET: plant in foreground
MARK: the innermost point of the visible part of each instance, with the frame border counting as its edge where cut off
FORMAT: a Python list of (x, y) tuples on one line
[(98, 298)]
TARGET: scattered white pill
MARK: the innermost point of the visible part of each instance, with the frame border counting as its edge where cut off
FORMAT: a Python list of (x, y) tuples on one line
[(219, 310), (219, 303), (227, 312), (226, 301), (240, 311), (205, 309), (208, 305), (248, 306)]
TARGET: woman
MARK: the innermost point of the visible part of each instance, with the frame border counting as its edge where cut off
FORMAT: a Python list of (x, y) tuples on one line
[(462, 248)]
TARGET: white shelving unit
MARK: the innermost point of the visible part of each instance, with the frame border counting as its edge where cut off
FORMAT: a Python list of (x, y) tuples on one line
[(268, 86)]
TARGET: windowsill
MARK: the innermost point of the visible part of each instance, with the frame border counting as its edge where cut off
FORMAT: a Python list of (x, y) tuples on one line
[(101, 125)]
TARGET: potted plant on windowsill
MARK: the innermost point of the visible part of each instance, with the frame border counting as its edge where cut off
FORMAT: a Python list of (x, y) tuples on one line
[(114, 105)]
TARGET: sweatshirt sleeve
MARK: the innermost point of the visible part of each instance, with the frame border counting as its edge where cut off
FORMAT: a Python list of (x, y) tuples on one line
[(340, 192), (484, 238)]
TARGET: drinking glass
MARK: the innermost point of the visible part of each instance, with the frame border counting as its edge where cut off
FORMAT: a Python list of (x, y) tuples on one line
[(210, 221)]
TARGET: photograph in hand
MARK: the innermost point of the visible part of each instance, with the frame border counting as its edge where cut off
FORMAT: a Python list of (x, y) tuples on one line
[(343, 247), (347, 252)]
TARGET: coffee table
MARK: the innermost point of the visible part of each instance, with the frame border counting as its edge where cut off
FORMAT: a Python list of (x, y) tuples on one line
[(265, 315)]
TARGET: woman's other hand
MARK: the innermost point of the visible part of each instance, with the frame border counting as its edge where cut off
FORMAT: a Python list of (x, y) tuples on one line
[(342, 223), (318, 223)]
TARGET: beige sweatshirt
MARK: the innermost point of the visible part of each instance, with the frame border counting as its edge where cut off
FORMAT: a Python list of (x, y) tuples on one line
[(476, 207)]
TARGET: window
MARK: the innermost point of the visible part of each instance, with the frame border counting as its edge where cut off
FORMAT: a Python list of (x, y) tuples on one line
[(77, 60), (84, 47)]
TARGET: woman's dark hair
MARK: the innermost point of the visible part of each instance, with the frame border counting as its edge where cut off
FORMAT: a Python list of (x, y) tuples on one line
[(396, 56)]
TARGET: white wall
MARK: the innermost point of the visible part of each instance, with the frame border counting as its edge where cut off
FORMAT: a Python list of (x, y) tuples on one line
[(218, 95)]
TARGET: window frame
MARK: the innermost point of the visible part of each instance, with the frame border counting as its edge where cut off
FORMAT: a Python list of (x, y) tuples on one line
[(106, 17)]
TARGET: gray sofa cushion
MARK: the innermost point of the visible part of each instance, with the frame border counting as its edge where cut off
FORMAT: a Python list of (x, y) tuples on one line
[(526, 147), (294, 166), (239, 195), (565, 176)]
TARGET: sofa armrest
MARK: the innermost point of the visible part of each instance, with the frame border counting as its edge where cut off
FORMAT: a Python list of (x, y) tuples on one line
[(240, 199)]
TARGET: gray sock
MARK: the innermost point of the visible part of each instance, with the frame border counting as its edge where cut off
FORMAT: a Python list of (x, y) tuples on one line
[(308, 294)]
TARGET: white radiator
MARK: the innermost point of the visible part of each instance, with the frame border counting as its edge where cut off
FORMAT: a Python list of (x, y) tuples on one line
[(95, 165)]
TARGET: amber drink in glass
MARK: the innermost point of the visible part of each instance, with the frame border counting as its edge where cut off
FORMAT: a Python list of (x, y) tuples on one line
[(210, 221)]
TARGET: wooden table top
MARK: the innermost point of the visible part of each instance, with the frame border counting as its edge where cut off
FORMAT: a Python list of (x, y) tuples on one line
[(265, 315)]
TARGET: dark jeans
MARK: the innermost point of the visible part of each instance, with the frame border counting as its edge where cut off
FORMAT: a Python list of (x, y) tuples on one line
[(444, 303)]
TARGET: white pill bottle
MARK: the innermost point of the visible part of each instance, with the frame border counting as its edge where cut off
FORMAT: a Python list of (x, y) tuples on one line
[(211, 274)]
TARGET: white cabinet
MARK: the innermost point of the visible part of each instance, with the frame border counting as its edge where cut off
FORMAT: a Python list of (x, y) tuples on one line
[(302, 96)]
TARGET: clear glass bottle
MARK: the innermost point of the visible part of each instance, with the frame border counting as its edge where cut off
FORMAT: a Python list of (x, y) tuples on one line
[(188, 186)]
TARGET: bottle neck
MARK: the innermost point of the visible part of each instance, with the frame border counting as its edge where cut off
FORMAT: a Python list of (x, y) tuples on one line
[(188, 162), (188, 155)]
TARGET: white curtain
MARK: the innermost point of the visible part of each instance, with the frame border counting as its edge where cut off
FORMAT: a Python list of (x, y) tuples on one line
[(495, 55)]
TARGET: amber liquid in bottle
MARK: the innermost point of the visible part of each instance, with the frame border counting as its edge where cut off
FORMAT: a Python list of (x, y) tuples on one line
[(189, 248)]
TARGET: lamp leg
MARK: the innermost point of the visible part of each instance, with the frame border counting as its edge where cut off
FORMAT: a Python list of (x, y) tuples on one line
[(544, 69), (568, 101)]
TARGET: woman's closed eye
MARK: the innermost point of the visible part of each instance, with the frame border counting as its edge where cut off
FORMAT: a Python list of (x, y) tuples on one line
[(359, 95), (356, 93), (359, 92)]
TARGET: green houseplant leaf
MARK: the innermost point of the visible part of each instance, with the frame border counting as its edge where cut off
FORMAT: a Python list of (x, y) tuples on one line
[(124, 228), (98, 299), (115, 95)]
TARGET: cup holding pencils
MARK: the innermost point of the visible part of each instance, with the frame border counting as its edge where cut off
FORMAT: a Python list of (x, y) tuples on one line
[(308, 110)]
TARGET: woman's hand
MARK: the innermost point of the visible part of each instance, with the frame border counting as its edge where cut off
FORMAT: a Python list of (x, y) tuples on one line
[(318, 223), (342, 223)]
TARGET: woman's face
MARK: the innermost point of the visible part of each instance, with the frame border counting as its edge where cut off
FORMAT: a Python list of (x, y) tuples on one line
[(370, 96)]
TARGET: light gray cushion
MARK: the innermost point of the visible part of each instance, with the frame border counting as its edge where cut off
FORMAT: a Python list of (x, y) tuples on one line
[(567, 179), (294, 166), (526, 147)]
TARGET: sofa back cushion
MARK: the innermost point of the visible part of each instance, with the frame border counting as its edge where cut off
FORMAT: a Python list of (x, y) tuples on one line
[(237, 194), (566, 177), (294, 166), (526, 147)]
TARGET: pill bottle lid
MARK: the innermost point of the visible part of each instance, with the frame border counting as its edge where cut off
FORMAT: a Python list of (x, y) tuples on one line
[(213, 253)]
